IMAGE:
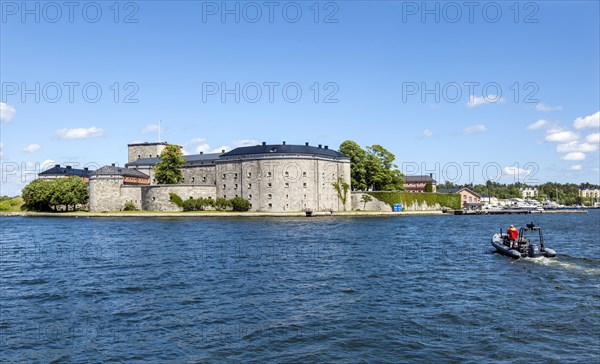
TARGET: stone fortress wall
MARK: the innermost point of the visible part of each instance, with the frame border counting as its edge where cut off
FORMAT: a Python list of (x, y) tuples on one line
[(277, 182)]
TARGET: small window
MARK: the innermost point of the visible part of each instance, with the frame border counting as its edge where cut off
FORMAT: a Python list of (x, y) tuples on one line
[(249, 185), (287, 185), (287, 174), (139, 156), (304, 185), (224, 175), (270, 195), (249, 197), (235, 175), (304, 174), (249, 174), (225, 196), (269, 184), (269, 174), (224, 186), (270, 205), (193, 179), (236, 186), (203, 179), (287, 196)]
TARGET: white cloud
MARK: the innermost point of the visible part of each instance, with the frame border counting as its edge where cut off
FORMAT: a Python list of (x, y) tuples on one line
[(475, 101), (575, 146), (7, 112), (547, 108), (32, 148), (427, 133), (221, 149), (576, 167), (202, 148), (245, 143), (515, 171), (538, 124), (590, 121), (560, 136), (593, 138), (79, 133), (574, 156), (151, 128), (479, 128)]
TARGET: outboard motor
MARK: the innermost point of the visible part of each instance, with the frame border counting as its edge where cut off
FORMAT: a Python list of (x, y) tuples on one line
[(534, 250)]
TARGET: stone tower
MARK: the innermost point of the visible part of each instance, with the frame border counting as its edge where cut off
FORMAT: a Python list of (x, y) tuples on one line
[(144, 150)]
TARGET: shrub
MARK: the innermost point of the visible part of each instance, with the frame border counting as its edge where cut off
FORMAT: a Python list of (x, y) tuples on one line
[(240, 204), (174, 198), (221, 203), (129, 206)]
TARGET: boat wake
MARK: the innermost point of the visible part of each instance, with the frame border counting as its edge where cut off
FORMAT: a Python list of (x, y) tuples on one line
[(554, 262)]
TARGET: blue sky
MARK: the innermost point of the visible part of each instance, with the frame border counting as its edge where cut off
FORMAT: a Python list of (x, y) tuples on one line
[(466, 93)]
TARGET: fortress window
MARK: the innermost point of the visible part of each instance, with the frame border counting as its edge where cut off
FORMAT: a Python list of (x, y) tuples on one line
[(269, 184), (268, 174), (150, 155), (225, 196), (287, 174), (270, 205), (304, 185), (193, 179), (249, 197), (139, 156), (235, 175), (236, 186), (223, 175), (204, 179), (249, 185), (270, 195), (249, 174), (287, 185), (304, 174), (224, 186), (287, 196)]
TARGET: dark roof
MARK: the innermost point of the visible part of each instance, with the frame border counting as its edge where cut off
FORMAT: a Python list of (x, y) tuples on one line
[(285, 149), (57, 170), (189, 159), (417, 179), (119, 171)]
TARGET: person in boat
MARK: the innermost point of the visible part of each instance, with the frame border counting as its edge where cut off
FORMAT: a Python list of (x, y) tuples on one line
[(513, 235)]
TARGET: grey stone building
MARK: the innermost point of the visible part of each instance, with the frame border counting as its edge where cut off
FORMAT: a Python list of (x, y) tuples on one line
[(273, 177)]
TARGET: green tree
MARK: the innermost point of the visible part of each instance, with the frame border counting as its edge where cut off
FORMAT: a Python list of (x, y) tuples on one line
[(37, 195), (382, 173), (168, 170), (221, 203), (358, 158), (365, 199)]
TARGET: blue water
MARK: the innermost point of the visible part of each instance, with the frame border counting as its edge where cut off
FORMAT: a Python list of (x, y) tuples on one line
[(403, 289)]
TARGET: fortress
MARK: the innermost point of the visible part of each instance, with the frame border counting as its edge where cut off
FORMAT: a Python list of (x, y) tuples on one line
[(273, 177)]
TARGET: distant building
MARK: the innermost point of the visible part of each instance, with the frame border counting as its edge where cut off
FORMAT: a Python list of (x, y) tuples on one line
[(469, 199), (491, 200), (529, 192), (418, 184), (590, 193), (63, 172)]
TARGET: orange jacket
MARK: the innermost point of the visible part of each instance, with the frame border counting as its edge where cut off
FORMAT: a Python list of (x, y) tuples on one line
[(513, 233)]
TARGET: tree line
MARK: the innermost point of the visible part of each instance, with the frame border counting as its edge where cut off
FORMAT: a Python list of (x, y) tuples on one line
[(562, 193)]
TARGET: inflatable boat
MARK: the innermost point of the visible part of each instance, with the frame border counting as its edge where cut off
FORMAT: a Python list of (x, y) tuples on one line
[(529, 244)]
